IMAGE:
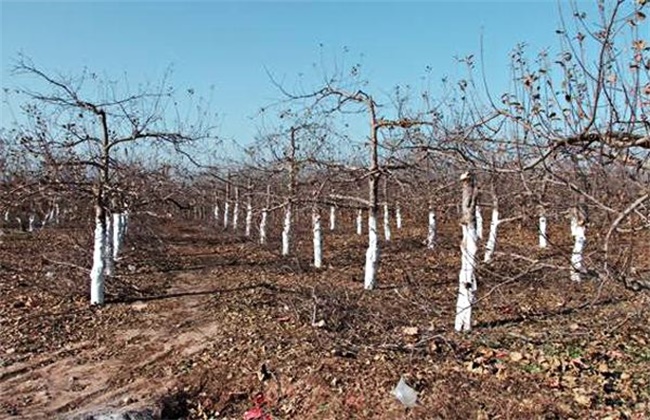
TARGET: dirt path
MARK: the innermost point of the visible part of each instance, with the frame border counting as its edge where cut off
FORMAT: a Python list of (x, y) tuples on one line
[(126, 370)]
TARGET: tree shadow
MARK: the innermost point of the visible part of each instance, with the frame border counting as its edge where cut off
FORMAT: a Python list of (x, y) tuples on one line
[(263, 285), (545, 315)]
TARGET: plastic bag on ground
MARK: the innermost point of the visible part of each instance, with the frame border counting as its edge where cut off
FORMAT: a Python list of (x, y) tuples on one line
[(405, 394)]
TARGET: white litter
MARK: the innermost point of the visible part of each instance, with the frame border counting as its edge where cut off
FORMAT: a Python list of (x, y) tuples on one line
[(405, 394)]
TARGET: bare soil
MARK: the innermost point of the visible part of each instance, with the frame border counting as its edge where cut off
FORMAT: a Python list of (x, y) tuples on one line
[(203, 323)]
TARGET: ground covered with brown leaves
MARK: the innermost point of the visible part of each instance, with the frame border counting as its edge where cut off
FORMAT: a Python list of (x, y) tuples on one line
[(203, 323)]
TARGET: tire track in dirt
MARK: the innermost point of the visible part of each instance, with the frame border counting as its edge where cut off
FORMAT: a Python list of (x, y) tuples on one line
[(86, 377)]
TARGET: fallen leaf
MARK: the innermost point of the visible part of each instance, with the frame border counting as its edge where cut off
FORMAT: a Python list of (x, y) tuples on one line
[(410, 331), (582, 399), (516, 356)]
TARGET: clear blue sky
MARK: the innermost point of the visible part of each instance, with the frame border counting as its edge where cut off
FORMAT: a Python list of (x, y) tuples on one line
[(228, 45)]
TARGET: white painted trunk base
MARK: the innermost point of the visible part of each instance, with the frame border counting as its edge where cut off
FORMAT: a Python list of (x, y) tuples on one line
[(398, 217), (216, 212), (543, 239), (226, 208), (387, 233), (360, 222), (118, 234), (235, 216), (125, 222), (466, 280), (318, 239), (580, 237), (265, 214), (109, 265), (492, 236), (332, 218), (97, 272), (431, 232), (32, 220), (249, 219), (372, 254), (479, 222), (286, 231)]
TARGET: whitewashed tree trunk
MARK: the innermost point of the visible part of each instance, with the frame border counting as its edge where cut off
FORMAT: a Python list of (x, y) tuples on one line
[(249, 218), (226, 211), (265, 214), (216, 212), (118, 234), (492, 236), (398, 216), (97, 273), (318, 238), (286, 230), (109, 266), (372, 254), (6, 215), (479, 222), (469, 246), (332, 218), (360, 222), (125, 223), (387, 233), (57, 214), (431, 234), (579, 233), (235, 211), (543, 239), (48, 217), (31, 219)]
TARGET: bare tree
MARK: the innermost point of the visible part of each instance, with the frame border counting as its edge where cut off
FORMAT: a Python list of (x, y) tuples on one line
[(68, 126)]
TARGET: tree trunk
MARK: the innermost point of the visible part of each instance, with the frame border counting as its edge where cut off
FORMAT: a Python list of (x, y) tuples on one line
[(118, 234), (492, 236), (466, 278), (286, 230), (372, 254), (318, 239), (249, 218), (109, 265), (360, 222), (387, 234), (494, 225), (125, 223), (479, 222), (57, 216), (398, 216), (97, 273), (332, 218), (543, 238), (235, 211), (579, 233), (226, 210), (431, 234), (265, 213)]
